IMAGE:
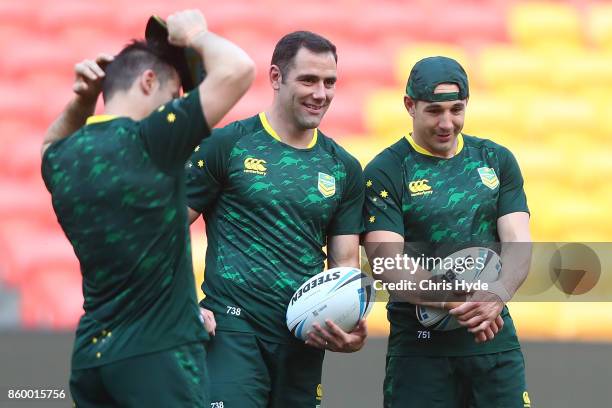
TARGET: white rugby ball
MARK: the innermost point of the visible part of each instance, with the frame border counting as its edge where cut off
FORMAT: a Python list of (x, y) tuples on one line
[(486, 270), (343, 295)]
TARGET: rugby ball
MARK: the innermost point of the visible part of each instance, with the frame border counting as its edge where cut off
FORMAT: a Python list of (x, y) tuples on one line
[(487, 265), (343, 295)]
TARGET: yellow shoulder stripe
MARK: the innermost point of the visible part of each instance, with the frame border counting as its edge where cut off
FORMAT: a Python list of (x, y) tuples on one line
[(272, 132), (99, 119), (426, 152)]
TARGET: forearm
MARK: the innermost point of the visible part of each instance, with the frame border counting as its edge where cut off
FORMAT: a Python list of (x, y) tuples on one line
[(70, 120), (223, 60), (334, 261), (515, 254), (343, 250), (416, 284), (516, 259)]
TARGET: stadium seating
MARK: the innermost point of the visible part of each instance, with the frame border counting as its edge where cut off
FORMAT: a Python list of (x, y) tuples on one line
[(599, 25), (408, 55), (540, 75), (43, 305), (539, 25)]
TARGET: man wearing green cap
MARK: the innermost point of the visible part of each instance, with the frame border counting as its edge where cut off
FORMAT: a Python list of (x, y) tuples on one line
[(118, 189), (439, 186)]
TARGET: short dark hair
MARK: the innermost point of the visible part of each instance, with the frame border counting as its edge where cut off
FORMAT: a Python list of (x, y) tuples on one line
[(288, 46), (132, 61)]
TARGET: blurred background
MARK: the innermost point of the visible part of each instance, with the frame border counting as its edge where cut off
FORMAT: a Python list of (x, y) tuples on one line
[(541, 84)]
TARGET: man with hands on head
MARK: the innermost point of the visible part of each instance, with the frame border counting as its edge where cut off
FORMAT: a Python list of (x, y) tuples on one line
[(438, 186), (117, 183)]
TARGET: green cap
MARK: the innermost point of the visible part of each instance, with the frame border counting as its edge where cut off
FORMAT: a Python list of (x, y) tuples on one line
[(187, 62), (430, 72)]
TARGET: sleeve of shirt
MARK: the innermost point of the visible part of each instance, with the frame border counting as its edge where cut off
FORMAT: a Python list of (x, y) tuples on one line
[(512, 196), (173, 130), (347, 219), (383, 201), (47, 168), (207, 169)]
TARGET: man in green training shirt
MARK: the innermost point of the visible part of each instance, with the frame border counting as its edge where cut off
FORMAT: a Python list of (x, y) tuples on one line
[(118, 190), (273, 191), (437, 185)]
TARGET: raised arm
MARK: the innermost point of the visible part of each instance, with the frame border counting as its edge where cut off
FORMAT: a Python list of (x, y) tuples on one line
[(87, 87), (229, 70)]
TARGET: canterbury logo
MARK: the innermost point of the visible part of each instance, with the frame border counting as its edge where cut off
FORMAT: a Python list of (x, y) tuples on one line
[(419, 187), (256, 166), (526, 400)]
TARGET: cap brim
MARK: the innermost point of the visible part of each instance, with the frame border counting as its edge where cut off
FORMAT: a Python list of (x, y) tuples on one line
[(188, 63)]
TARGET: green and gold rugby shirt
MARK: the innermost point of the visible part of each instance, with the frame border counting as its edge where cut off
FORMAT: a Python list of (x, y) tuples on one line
[(427, 199), (118, 189), (269, 209)]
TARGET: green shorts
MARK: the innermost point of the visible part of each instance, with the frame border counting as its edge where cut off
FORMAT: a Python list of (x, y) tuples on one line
[(171, 378), (248, 372), (481, 381)]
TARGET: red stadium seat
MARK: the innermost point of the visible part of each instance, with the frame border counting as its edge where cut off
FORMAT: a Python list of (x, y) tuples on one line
[(57, 16), (466, 24), (364, 65), (24, 199), (18, 128), (52, 296), (14, 103), (29, 246), (256, 100), (18, 13), (346, 115), (7, 265), (20, 159)]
